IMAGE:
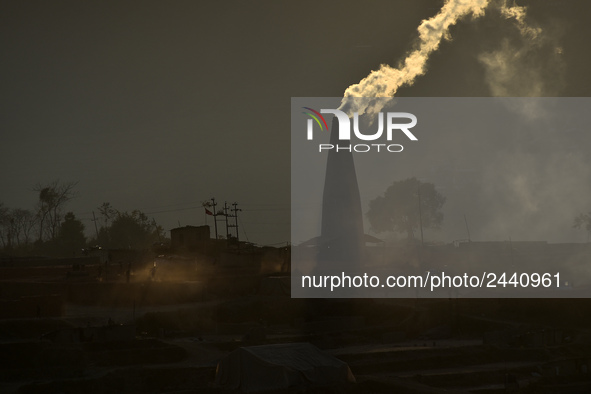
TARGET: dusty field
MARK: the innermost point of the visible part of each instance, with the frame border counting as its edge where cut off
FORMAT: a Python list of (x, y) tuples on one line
[(182, 330)]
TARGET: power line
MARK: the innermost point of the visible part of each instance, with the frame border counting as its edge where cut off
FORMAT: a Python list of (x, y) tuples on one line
[(243, 230), (173, 210), (272, 209)]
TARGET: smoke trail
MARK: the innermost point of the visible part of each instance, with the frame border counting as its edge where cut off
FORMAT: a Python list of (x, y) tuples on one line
[(518, 13), (529, 65), (386, 81)]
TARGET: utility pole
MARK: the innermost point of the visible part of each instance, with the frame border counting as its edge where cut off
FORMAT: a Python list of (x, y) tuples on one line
[(511, 252), (467, 229), (215, 219), (95, 227), (226, 215), (235, 216), (420, 213)]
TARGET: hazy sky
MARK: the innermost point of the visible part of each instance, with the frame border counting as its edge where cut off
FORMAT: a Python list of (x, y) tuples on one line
[(160, 105)]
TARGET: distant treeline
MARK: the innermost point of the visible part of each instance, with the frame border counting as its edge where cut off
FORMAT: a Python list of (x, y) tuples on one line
[(47, 229)]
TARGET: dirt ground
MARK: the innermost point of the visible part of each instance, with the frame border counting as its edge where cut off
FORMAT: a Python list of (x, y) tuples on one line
[(403, 346)]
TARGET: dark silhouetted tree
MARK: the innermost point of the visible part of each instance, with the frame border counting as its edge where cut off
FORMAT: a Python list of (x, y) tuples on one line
[(71, 237), (4, 226), (107, 212), (133, 231), (398, 209), (583, 221), (16, 226), (23, 222), (52, 199)]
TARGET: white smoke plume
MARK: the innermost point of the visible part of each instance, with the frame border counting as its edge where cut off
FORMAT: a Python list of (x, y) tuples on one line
[(518, 14), (385, 81)]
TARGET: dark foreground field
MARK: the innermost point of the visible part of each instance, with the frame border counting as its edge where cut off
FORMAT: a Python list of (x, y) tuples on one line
[(167, 336)]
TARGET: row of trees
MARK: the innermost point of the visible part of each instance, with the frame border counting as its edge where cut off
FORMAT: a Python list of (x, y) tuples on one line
[(16, 226), (121, 230), (404, 207), (47, 230), (23, 227)]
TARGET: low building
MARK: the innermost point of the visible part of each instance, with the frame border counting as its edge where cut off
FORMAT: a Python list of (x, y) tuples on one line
[(189, 238)]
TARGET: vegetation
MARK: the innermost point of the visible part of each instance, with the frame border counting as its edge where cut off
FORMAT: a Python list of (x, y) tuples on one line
[(583, 221), (404, 206), (123, 230), (46, 230)]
